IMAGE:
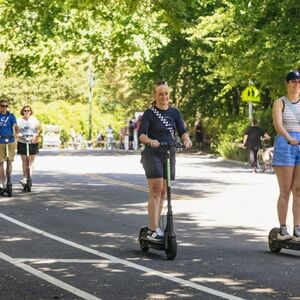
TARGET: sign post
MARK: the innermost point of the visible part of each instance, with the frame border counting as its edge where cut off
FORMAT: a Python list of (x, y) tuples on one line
[(250, 94), (90, 95)]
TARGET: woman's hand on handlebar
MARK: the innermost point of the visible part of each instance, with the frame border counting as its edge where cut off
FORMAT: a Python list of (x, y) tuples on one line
[(292, 141), (154, 143), (187, 143)]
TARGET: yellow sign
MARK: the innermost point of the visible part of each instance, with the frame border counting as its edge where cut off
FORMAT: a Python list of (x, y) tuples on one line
[(251, 93)]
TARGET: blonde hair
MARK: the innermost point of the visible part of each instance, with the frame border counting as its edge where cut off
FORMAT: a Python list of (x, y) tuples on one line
[(157, 84)]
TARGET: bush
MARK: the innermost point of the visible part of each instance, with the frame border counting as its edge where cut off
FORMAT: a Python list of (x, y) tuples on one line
[(230, 150)]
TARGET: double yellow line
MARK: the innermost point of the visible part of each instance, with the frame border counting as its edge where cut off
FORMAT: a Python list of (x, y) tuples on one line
[(133, 186)]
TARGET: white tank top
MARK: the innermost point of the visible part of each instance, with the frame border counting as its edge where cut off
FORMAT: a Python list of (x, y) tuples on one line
[(289, 121)]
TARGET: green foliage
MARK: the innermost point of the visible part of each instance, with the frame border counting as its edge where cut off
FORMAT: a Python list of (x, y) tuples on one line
[(233, 151), (208, 51)]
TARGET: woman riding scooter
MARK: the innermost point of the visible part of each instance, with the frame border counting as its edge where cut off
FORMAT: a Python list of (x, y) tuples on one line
[(29, 128), (158, 125)]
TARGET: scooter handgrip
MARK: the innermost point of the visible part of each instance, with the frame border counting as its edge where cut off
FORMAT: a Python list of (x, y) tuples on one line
[(293, 144)]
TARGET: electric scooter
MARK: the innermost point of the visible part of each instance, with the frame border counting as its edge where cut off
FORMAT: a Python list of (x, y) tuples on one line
[(8, 188), (168, 243), (27, 186), (276, 245)]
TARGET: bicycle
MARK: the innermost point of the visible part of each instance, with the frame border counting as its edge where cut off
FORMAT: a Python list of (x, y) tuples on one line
[(265, 157)]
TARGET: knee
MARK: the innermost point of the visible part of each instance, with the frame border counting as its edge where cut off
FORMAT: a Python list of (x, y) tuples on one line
[(296, 191), (285, 195), (156, 191)]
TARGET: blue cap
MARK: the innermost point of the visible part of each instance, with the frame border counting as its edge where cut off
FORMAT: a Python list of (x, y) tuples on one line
[(293, 75)]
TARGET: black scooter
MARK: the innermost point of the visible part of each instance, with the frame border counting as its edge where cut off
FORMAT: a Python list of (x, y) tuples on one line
[(168, 243), (8, 190), (27, 186)]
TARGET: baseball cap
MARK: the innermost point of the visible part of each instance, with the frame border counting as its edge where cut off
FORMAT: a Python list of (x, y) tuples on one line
[(293, 75)]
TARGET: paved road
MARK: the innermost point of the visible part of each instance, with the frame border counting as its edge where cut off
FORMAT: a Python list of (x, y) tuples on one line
[(75, 235)]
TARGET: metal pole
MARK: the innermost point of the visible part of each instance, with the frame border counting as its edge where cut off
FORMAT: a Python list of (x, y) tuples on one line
[(250, 105), (90, 96)]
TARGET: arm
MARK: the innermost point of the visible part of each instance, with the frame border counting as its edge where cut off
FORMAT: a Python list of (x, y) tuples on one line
[(185, 139), (16, 129), (245, 140), (146, 140), (35, 138), (277, 121), (143, 130)]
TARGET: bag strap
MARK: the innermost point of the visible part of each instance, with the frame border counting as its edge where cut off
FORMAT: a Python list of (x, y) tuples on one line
[(164, 121), (292, 108)]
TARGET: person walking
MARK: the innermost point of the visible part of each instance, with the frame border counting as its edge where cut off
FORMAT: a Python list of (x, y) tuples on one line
[(158, 126), (199, 137), (252, 141), (29, 127), (286, 159), (8, 129)]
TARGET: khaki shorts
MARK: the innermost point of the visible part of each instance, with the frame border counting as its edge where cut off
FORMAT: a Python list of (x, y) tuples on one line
[(11, 150)]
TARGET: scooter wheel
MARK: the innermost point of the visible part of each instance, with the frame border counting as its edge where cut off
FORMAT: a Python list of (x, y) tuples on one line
[(171, 248), (273, 245), (144, 246)]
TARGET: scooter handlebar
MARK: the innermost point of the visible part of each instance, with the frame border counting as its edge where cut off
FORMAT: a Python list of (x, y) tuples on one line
[(27, 137), (178, 146), (293, 144)]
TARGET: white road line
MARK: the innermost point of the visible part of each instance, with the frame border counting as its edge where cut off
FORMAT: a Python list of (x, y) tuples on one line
[(114, 259), (48, 278), (61, 260)]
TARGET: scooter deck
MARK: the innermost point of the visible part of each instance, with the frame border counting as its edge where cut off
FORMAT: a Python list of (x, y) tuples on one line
[(158, 245), (287, 244), (276, 245)]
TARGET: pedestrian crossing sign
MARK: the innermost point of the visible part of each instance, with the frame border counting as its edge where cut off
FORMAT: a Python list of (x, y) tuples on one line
[(251, 93)]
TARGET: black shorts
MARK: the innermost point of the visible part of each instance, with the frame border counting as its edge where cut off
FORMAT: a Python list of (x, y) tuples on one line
[(33, 149), (155, 164)]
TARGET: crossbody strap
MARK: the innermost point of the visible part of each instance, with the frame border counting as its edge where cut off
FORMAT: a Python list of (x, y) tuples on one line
[(164, 121), (292, 108)]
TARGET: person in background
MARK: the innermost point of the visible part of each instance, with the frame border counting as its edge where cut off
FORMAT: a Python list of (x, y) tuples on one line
[(152, 132), (8, 129), (110, 137), (29, 127), (199, 136), (252, 141), (286, 159), (131, 127)]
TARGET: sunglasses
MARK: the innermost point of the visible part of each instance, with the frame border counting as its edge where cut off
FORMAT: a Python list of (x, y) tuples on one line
[(4, 105), (26, 110)]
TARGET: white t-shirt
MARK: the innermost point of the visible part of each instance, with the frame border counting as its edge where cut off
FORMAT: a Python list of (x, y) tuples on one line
[(27, 127)]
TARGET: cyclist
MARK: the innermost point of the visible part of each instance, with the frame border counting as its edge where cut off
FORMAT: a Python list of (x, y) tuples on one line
[(8, 129), (252, 140)]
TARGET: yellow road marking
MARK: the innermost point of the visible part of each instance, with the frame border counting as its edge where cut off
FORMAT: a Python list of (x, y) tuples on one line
[(134, 186)]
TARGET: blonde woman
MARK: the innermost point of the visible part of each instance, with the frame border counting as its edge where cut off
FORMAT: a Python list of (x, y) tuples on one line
[(29, 127), (152, 132)]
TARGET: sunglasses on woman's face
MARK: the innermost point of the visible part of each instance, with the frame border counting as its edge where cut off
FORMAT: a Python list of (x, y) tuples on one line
[(4, 105), (26, 110)]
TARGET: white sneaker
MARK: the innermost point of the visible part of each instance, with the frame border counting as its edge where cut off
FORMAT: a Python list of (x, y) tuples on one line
[(283, 234), (296, 235), (23, 181)]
